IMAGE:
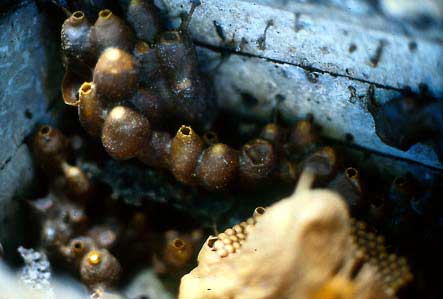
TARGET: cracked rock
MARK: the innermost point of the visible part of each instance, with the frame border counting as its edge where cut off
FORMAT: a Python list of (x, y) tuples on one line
[(300, 58), (29, 71)]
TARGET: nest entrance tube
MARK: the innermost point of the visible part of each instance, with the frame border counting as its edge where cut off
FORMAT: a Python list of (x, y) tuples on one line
[(105, 14), (78, 15), (45, 130), (351, 172)]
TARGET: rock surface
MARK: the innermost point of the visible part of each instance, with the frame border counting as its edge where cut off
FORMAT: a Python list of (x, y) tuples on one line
[(30, 73), (320, 42), (300, 59), (257, 89)]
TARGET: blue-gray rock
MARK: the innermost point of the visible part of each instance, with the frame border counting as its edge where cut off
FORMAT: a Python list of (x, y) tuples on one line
[(257, 88), (304, 58), (30, 76)]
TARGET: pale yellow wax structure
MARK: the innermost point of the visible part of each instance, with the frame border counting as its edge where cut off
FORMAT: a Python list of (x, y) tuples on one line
[(299, 248)]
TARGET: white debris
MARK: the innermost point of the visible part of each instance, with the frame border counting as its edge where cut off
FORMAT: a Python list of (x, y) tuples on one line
[(36, 273)]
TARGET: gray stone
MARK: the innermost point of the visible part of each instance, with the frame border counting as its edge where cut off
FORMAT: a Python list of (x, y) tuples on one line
[(30, 80), (13, 177), (319, 42), (338, 104), (386, 16), (314, 59)]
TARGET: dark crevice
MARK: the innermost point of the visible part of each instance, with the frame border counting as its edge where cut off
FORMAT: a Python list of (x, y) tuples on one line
[(381, 154), (3, 166), (9, 159), (220, 31), (310, 69), (304, 67)]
